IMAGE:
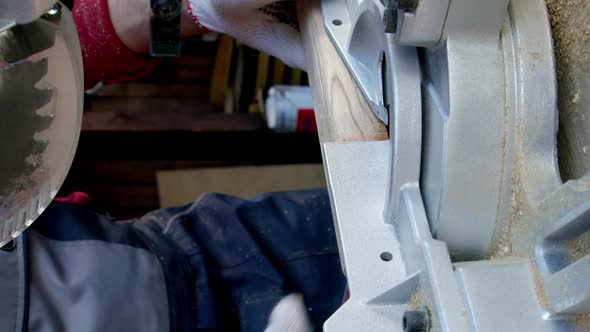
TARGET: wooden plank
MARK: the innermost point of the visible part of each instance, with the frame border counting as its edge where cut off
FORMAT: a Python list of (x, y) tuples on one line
[(181, 70), (243, 85), (140, 104), (150, 90), (262, 70), (278, 72), (170, 73), (296, 77), (229, 102), (221, 70), (92, 172), (248, 72), (181, 187), (201, 60), (169, 119), (238, 81), (342, 114)]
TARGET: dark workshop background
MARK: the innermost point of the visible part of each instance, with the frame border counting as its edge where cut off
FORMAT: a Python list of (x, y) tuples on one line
[(202, 110)]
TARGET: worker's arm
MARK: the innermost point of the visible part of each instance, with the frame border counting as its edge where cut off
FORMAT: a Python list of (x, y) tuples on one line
[(267, 25), (107, 58), (115, 33)]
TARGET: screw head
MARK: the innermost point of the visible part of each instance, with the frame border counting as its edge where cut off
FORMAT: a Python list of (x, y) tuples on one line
[(53, 14), (390, 20), (10, 246), (416, 321)]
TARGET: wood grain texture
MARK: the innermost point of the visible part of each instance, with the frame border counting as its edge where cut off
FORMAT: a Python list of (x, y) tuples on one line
[(342, 114)]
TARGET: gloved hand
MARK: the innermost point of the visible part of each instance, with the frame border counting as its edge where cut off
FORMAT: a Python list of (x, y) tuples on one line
[(290, 315), (267, 25)]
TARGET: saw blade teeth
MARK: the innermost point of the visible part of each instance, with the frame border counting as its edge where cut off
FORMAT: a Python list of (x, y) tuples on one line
[(38, 147), (45, 108), (37, 70), (43, 97), (35, 159), (29, 72), (28, 104), (25, 40)]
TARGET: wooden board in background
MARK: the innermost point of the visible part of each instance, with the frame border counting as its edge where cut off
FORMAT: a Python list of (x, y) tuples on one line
[(165, 121), (278, 72), (296, 77), (189, 121), (118, 167), (181, 187), (153, 90), (221, 70), (262, 70), (172, 116)]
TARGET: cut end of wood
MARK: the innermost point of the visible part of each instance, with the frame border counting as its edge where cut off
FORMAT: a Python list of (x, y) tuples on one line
[(342, 113)]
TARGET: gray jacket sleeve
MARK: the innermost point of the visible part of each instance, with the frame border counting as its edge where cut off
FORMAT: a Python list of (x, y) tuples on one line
[(74, 270)]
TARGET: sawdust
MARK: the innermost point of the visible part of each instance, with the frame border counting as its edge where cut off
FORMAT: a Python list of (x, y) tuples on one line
[(584, 322), (570, 25), (571, 33), (416, 300), (579, 247), (576, 98), (514, 222), (421, 300), (540, 290)]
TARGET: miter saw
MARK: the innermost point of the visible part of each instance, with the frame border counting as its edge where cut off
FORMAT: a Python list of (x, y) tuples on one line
[(460, 221)]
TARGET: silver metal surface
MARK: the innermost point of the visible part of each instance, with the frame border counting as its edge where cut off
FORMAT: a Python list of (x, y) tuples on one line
[(359, 38), (402, 95), (464, 89), (424, 26), (503, 295), (358, 189), (380, 290), (472, 161), (431, 259), (558, 231)]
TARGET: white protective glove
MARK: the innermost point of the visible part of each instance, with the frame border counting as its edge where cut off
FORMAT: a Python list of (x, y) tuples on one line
[(267, 25), (289, 315)]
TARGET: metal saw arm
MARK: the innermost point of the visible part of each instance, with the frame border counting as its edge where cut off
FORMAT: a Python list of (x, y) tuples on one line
[(458, 220)]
